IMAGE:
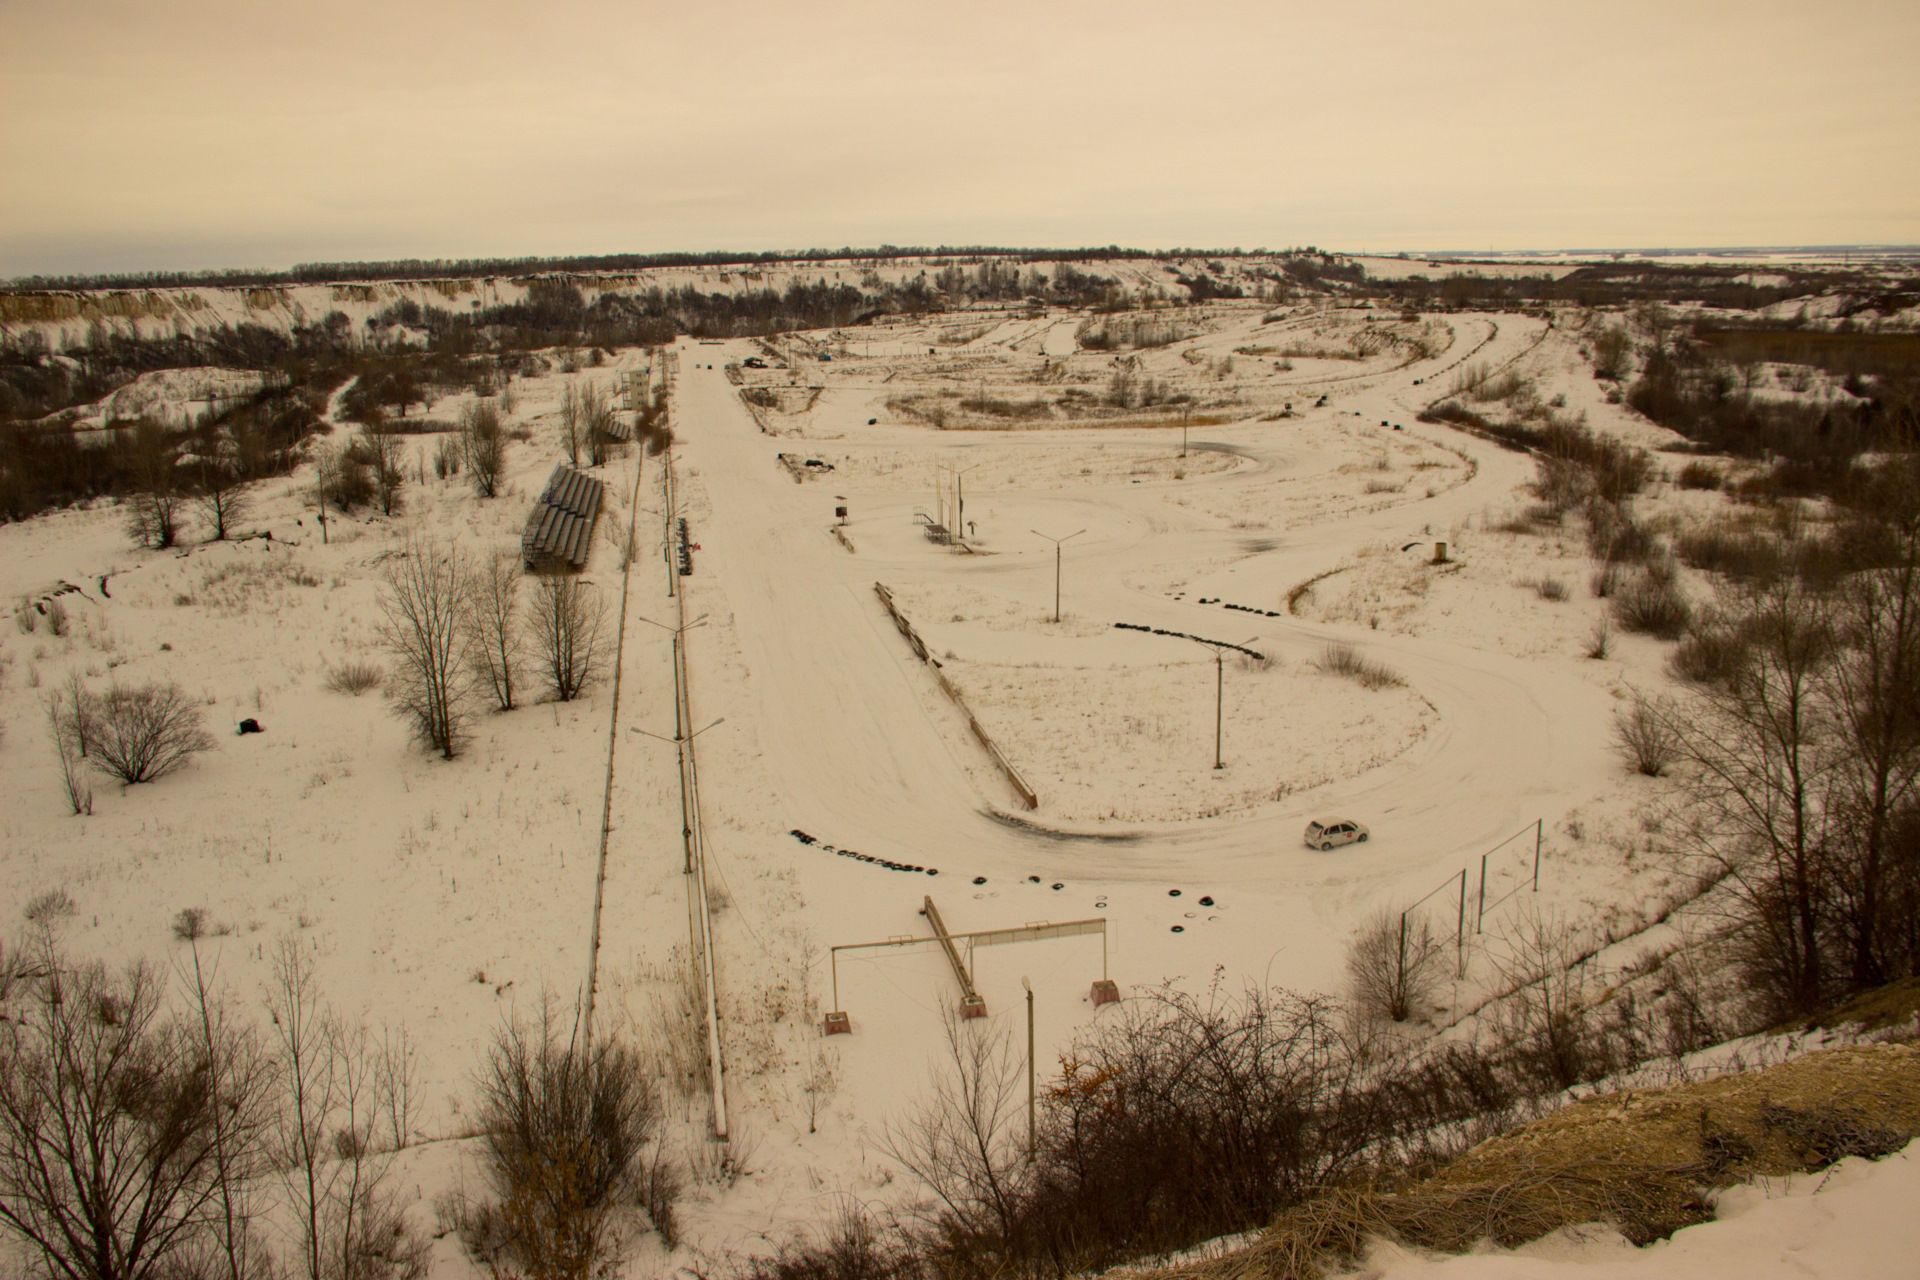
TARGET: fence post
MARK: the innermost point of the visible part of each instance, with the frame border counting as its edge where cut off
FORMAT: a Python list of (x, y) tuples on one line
[(1539, 826), (1480, 908), (1400, 963), (1460, 927)]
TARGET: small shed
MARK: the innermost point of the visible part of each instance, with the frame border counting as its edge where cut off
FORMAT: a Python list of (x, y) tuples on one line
[(560, 527)]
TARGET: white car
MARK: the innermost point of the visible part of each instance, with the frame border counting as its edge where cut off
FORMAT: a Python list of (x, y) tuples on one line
[(1334, 831)]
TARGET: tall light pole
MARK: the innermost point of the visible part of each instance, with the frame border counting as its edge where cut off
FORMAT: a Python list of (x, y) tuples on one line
[(1056, 563), (1220, 691), (1031, 1142), (960, 495)]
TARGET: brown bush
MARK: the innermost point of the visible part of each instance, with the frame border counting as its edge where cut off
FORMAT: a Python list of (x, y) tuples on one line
[(139, 734)]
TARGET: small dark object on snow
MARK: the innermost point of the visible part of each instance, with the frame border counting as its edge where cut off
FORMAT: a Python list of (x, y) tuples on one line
[(1179, 928), (1058, 885), (1207, 901), (872, 421), (1033, 879), (1173, 893), (251, 726), (979, 879)]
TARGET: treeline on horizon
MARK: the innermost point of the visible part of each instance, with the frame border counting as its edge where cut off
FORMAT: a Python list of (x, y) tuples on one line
[(460, 268)]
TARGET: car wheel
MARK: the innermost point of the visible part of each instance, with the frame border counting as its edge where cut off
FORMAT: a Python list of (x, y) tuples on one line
[(1326, 846), (1363, 839)]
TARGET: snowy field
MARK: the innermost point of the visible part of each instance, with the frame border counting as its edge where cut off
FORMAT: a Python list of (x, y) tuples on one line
[(1302, 511)]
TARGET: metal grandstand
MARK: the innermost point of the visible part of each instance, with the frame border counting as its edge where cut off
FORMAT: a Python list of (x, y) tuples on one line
[(560, 527)]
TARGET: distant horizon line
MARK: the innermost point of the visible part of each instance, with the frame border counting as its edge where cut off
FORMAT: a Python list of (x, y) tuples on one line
[(319, 272)]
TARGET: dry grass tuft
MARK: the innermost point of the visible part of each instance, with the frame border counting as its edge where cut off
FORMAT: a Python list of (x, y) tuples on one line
[(1344, 660), (354, 677)]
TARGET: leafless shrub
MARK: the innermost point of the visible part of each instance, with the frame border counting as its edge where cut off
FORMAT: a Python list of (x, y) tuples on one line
[(566, 617), (1547, 588), (853, 1246), (1742, 554), (1605, 580), (1545, 1021), (1344, 660), (483, 443), (354, 678), (1652, 603), (493, 626), (345, 479), (1615, 537), (26, 618), (1394, 965), (1600, 638), (564, 1127), (139, 734), (446, 457), (58, 622), (1712, 652), (1698, 475), (47, 907), (1612, 353), (422, 600), (1645, 735)]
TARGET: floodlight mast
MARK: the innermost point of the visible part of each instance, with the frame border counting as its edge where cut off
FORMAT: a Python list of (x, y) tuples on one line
[(1220, 648), (1056, 563)]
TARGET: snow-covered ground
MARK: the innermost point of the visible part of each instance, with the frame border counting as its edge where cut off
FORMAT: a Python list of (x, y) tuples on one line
[(447, 895)]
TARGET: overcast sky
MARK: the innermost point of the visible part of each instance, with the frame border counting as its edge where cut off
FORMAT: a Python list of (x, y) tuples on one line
[(177, 134)]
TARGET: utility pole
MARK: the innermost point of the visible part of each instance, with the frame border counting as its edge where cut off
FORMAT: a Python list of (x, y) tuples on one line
[(960, 496), (1031, 1141), (1056, 563), (1220, 692), (1183, 430)]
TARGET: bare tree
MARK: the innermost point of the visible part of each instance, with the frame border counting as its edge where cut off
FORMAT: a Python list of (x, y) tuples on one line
[(1394, 965), (493, 625), (153, 518), (333, 1100), (1875, 694), (1763, 749), (965, 1142), (69, 716), (483, 442), (597, 412), (1545, 1018), (386, 447), (567, 616), (223, 502), (423, 600), (139, 734), (240, 1086), (573, 432), (109, 1165)]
